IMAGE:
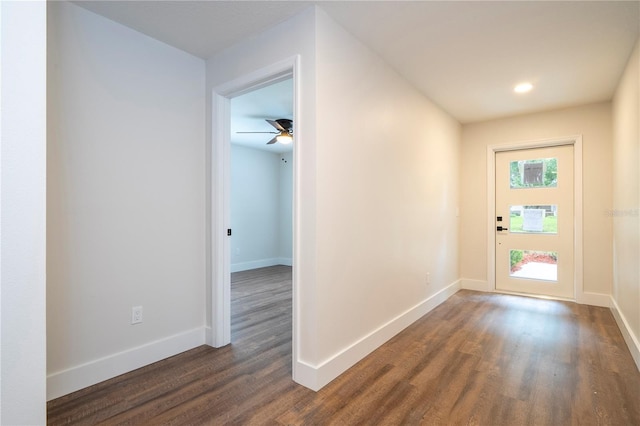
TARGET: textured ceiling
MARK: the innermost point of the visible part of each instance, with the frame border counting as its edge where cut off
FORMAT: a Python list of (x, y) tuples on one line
[(202, 28), (465, 56)]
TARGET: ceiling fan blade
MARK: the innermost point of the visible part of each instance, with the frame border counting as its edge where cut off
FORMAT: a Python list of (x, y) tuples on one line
[(272, 133), (272, 141), (276, 124)]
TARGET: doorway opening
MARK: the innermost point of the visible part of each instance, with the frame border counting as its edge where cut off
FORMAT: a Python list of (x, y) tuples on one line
[(221, 230), (261, 213)]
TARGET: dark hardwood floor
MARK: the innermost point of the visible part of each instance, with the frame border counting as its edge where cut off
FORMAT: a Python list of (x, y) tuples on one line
[(477, 359)]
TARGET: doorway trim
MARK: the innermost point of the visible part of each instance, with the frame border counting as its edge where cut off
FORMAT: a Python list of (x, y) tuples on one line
[(576, 141), (219, 308)]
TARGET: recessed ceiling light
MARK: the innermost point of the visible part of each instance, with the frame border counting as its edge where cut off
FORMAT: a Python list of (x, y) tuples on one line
[(523, 88)]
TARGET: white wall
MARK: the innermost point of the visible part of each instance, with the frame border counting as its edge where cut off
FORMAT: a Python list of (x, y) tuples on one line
[(126, 201), (260, 219), (294, 37), (285, 234), (593, 122), (22, 213), (626, 203)]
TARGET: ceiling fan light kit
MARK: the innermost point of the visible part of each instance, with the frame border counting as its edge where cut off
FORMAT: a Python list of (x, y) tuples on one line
[(284, 138), (284, 133)]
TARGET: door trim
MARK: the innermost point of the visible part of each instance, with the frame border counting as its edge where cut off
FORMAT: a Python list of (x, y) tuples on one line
[(576, 141), (219, 307)]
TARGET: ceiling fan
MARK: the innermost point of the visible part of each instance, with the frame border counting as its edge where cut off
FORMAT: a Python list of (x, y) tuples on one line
[(284, 133)]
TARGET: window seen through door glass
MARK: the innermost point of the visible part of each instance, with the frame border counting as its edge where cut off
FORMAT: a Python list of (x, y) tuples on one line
[(538, 173)]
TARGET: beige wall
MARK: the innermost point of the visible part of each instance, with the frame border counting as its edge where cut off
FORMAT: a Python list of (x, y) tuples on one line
[(593, 122), (387, 193), (626, 196)]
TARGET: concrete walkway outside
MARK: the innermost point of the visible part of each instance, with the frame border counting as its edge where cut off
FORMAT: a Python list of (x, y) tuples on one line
[(538, 271)]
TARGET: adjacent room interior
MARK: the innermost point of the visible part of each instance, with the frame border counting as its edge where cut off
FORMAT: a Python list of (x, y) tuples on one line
[(261, 215)]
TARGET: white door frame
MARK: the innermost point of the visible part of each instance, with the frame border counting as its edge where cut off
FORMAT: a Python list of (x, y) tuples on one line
[(576, 141), (220, 285)]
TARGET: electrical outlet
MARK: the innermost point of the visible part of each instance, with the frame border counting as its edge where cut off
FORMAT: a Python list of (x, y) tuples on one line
[(428, 278), (136, 315)]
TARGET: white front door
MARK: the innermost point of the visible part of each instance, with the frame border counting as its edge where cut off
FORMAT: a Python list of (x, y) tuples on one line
[(535, 221)]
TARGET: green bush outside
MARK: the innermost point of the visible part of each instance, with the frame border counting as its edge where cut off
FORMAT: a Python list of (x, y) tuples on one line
[(516, 257)]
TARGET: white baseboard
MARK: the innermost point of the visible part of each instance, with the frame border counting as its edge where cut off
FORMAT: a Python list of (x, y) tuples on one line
[(632, 341), (306, 375), (262, 263), (287, 261), (585, 298), (477, 285), (316, 377), (208, 336), (63, 382), (594, 299)]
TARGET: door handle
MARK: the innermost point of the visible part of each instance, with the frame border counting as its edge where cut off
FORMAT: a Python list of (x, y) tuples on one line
[(500, 228)]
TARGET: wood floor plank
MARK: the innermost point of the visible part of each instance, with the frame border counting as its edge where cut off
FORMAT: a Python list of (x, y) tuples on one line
[(477, 359)]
